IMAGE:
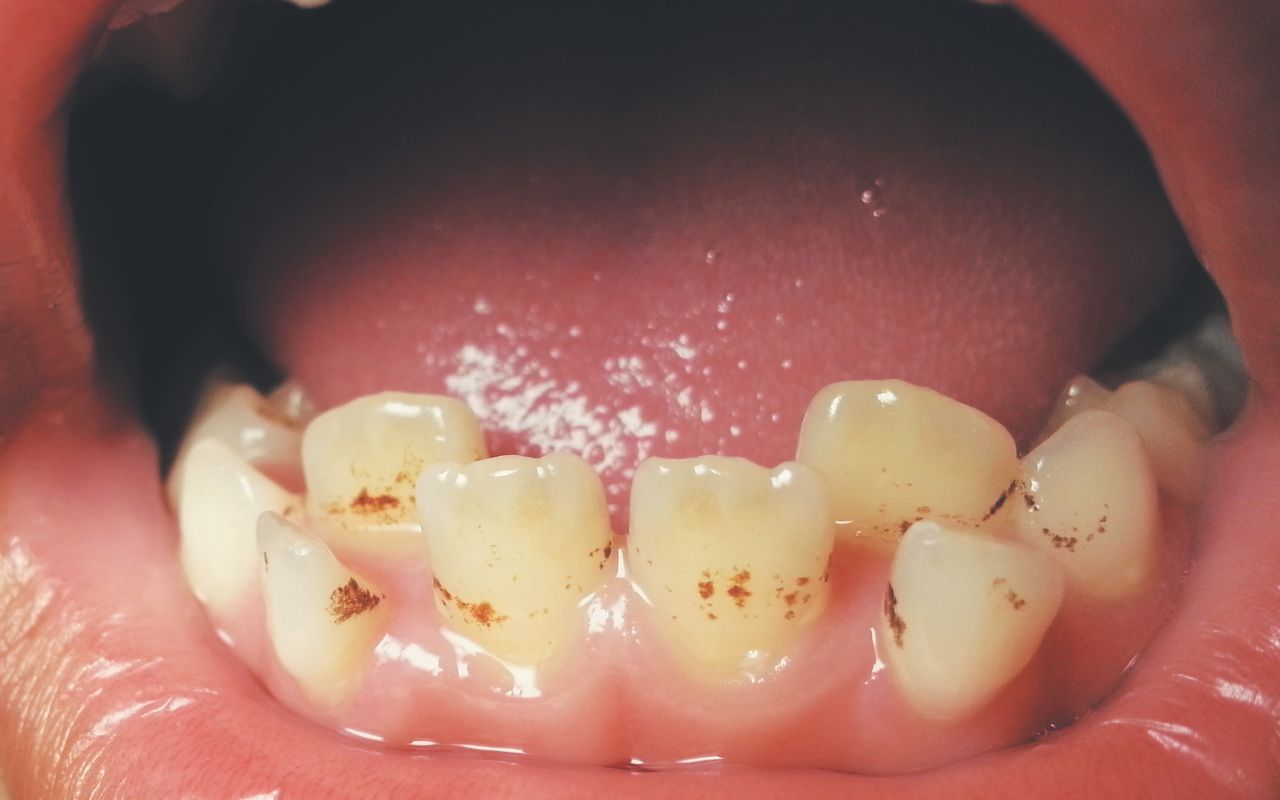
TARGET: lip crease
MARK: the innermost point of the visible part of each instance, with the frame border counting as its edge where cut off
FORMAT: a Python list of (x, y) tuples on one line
[(1196, 717)]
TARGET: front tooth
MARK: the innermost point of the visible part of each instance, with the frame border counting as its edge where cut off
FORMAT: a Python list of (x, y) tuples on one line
[(323, 619), (263, 430), (732, 555), (1089, 500), (220, 498), (514, 544), (963, 614), (361, 460), (895, 453)]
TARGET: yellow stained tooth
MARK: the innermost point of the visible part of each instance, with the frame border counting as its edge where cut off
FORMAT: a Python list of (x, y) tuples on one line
[(261, 430), (514, 544), (732, 555), (896, 453), (362, 459), (220, 498), (323, 619), (963, 615), (1089, 501)]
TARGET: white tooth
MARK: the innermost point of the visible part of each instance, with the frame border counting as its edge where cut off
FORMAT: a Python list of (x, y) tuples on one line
[(323, 619), (732, 555), (1089, 500), (362, 459), (895, 453), (1172, 432), (514, 544), (220, 499), (264, 431), (963, 615)]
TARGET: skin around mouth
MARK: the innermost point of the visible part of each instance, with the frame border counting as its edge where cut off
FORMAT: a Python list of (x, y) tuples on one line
[(138, 630)]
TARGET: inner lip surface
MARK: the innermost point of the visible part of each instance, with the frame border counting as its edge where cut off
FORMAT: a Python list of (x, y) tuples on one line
[(958, 772)]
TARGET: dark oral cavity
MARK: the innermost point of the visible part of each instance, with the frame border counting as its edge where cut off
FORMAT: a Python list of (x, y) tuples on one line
[(1093, 744)]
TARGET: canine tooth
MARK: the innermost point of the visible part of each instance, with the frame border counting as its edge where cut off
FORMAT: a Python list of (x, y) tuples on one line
[(732, 555), (895, 453), (220, 497), (323, 619), (963, 615), (261, 429), (361, 460), (514, 544), (1089, 500)]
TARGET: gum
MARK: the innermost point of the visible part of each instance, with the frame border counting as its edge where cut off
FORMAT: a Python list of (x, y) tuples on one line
[(620, 694)]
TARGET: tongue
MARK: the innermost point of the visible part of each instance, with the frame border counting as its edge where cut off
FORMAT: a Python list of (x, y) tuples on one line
[(667, 252)]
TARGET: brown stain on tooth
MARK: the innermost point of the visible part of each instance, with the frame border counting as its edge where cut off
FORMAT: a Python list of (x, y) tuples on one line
[(896, 623), (351, 599), (1001, 500), (706, 589), (365, 503), (739, 591), (482, 614)]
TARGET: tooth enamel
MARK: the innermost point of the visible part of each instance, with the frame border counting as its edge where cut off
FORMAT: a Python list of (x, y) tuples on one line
[(1171, 428), (220, 498), (1172, 434), (262, 430), (1089, 500), (732, 555), (362, 459), (514, 544), (1082, 393), (895, 453), (291, 401), (323, 619), (963, 615)]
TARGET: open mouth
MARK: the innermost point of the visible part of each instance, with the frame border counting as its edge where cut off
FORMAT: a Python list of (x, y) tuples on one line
[(623, 252)]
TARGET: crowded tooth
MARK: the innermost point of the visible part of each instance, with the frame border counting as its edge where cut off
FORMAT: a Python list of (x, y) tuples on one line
[(732, 555), (263, 430), (220, 497), (1089, 500), (323, 620), (1169, 422), (896, 453), (361, 460), (963, 614), (515, 544), (1172, 433)]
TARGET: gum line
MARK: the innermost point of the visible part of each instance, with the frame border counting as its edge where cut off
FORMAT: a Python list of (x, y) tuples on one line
[(618, 695)]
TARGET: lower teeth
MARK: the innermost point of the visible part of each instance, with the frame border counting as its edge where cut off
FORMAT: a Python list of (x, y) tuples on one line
[(730, 561)]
